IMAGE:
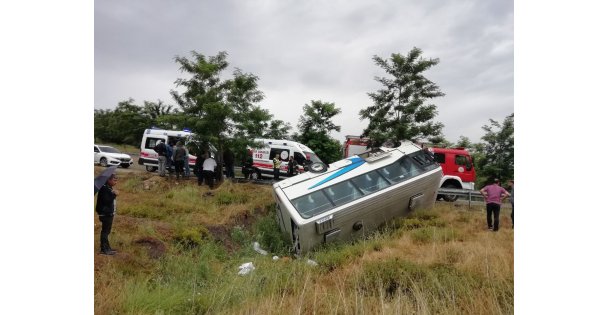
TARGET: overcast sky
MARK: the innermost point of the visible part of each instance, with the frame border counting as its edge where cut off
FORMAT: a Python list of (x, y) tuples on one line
[(313, 50)]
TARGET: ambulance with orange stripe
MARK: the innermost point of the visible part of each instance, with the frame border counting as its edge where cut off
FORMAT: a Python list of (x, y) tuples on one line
[(266, 150)]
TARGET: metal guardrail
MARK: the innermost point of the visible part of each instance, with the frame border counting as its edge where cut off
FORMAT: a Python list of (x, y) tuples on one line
[(469, 194)]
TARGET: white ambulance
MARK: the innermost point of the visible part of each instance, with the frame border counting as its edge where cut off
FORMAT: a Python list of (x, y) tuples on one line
[(268, 148), (149, 157)]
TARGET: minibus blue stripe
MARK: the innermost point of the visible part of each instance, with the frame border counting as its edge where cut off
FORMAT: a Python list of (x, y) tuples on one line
[(356, 162)]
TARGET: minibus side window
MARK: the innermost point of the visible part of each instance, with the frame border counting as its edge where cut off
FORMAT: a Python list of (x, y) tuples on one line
[(424, 160), (342, 193), (370, 182), (312, 204), (394, 172)]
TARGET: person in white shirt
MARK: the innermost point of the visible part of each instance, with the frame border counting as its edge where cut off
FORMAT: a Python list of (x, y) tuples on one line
[(209, 170)]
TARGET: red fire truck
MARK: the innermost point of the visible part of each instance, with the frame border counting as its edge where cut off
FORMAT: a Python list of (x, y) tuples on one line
[(456, 164), (458, 169)]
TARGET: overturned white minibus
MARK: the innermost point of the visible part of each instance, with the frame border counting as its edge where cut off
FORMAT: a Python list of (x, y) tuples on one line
[(356, 195)]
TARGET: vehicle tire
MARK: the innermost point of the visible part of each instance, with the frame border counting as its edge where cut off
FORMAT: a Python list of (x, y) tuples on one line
[(103, 162), (317, 167), (450, 198), (151, 168), (256, 175)]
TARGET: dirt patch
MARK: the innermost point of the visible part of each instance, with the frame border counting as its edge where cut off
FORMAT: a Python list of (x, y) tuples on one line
[(155, 182), (156, 248), (247, 219), (221, 233)]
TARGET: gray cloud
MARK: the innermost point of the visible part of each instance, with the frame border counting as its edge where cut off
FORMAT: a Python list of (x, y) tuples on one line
[(309, 50)]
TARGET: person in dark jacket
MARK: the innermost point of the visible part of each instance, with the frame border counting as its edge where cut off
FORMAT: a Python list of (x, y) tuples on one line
[(170, 157), (106, 208), (229, 163), (198, 168), (161, 149), (292, 167), (179, 154)]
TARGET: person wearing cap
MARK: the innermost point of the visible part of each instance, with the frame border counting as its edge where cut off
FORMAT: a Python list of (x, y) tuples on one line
[(161, 150), (106, 208), (493, 194)]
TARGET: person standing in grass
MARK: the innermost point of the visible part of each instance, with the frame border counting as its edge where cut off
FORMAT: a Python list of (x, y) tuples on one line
[(187, 163), (106, 208), (161, 149), (511, 199), (229, 162), (170, 161), (198, 168), (179, 153), (276, 163), (493, 194), (209, 170)]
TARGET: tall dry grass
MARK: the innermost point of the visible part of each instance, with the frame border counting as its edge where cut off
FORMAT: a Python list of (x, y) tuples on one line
[(180, 247)]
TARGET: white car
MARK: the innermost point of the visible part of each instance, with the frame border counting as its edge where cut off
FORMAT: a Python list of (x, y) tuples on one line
[(107, 155)]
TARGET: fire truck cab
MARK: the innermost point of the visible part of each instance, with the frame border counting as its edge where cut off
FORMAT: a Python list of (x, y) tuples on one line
[(458, 169)]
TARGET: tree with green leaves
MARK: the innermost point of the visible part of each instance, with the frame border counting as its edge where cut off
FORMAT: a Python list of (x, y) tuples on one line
[(220, 111), (464, 142), (498, 158), (314, 127), (123, 125), (399, 111), (277, 129), (126, 123), (156, 110)]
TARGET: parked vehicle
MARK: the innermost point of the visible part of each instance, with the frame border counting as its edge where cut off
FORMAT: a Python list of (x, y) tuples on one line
[(263, 156), (458, 169), (354, 196), (354, 145), (106, 155), (456, 164), (149, 157)]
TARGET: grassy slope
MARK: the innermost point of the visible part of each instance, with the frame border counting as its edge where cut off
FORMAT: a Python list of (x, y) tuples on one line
[(180, 248)]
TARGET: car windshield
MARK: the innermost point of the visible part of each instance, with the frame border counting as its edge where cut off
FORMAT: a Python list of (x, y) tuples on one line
[(312, 157), (108, 149)]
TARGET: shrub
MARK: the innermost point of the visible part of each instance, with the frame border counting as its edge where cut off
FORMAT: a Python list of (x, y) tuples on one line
[(269, 235), (190, 237)]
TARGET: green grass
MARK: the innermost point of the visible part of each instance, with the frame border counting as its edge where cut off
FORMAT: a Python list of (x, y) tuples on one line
[(439, 261)]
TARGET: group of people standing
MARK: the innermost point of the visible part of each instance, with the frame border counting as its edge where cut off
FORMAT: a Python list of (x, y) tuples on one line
[(292, 166), (494, 194), (173, 157)]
